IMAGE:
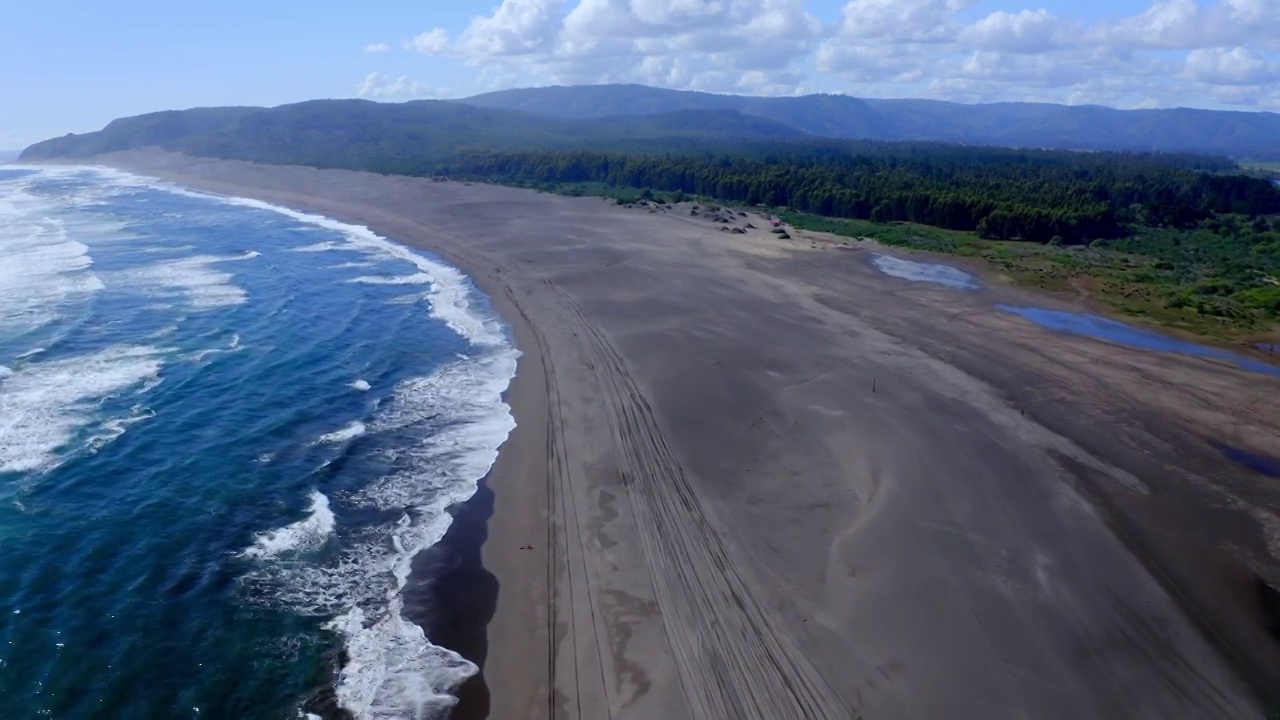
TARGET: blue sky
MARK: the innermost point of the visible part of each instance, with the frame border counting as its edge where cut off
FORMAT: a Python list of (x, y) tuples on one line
[(72, 65)]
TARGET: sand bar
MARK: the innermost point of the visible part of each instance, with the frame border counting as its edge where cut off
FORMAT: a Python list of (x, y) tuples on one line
[(764, 479)]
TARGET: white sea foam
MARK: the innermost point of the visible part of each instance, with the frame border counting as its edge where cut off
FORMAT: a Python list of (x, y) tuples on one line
[(350, 432), (361, 385), (43, 270), (326, 246), (414, 279), (196, 279), (452, 297), (113, 428), (392, 669), (198, 356), (925, 272), (309, 533), (44, 405)]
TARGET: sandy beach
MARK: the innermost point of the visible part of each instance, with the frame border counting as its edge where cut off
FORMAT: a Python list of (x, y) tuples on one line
[(758, 478)]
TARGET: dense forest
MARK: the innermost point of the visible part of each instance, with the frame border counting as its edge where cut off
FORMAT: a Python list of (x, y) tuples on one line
[(1034, 195)]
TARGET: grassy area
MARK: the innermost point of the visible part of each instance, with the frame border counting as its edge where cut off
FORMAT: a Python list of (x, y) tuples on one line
[(919, 237), (1148, 287), (1268, 167)]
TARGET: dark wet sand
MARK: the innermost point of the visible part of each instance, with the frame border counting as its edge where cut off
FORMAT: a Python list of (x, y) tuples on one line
[(764, 480), (457, 601)]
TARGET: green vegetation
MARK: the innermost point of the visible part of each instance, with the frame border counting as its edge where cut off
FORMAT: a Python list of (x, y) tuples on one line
[(1269, 167), (1218, 281), (400, 139), (1032, 195), (899, 234)]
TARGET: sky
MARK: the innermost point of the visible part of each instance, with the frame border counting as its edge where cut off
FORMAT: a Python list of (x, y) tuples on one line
[(73, 65)]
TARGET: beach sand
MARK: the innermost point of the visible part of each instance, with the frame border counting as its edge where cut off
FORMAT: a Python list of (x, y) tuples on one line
[(762, 479)]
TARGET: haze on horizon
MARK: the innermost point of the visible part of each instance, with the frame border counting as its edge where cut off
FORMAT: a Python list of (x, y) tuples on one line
[(72, 67)]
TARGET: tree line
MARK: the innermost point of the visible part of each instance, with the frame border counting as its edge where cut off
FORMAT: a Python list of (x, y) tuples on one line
[(999, 193)]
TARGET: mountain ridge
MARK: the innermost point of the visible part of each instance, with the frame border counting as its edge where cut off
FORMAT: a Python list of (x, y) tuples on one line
[(1234, 133), (637, 117), (402, 133)]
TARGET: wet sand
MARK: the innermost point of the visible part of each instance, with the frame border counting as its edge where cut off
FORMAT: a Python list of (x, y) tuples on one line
[(762, 479)]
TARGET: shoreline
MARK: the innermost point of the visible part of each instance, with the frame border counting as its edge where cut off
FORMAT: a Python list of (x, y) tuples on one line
[(455, 596), (451, 592), (591, 600)]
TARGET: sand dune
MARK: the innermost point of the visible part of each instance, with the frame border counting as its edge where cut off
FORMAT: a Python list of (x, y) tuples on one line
[(764, 479)]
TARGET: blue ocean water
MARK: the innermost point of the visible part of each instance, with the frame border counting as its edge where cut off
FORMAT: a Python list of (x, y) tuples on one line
[(225, 430)]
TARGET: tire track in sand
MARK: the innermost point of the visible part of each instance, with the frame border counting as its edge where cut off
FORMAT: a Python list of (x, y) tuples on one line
[(561, 506), (734, 663)]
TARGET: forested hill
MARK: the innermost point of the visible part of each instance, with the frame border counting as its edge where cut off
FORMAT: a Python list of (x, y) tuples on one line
[(398, 138), (1039, 125)]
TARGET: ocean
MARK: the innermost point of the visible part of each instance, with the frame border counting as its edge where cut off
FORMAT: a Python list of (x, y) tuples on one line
[(226, 428)]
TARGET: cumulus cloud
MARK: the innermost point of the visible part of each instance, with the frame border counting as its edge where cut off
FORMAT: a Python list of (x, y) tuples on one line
[(1028, 31), (872, 63), (1172, 51), (432, 42), (1190, 24), (516, 28), (743, 45), (379, 86), (376, 48), (1231, 66), (901, 20)]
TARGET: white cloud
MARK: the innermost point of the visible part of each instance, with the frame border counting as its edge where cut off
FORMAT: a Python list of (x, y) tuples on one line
[(376, 48), (1190, 24), (873, 63), (901, 20), (379, 86), (516, 28), (1231, 66), (1022, 69), (1024, 32), (1170, 52), (738, 45), (432, 42)]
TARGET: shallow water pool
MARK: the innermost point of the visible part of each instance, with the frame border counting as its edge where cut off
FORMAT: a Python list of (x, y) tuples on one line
[(935, 273), (1117, 332)]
